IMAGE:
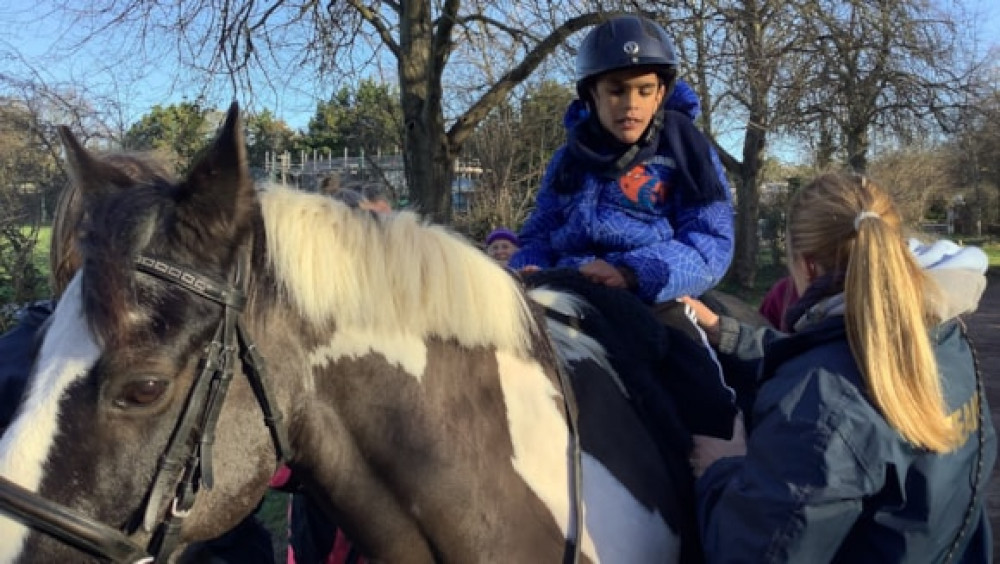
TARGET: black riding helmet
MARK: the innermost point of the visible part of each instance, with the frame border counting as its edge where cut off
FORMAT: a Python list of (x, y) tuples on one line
[(623, 42)]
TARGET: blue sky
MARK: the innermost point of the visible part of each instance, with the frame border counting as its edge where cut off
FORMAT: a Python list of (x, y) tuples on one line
[(46, 46), (43, 38)]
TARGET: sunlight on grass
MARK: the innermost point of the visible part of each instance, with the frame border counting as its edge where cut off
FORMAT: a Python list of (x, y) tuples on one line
[(42, 248), (993, 251)]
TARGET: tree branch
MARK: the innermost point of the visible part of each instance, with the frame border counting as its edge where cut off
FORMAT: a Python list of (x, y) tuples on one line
[(384, 33), (729, 162), (468, 121), (441, 44), (519, 35)]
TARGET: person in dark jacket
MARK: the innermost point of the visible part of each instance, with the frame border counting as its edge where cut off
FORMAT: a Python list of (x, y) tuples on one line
[(637, 199), (871, 439), (249, 541)]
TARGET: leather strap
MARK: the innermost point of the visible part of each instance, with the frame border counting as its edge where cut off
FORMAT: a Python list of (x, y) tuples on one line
[(186, 464)]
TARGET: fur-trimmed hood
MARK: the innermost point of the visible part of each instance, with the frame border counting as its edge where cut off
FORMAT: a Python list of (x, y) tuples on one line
[(960, 274)]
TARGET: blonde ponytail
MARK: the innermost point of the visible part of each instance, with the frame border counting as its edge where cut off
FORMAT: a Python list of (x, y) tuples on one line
[(849, 224), (887, 328)]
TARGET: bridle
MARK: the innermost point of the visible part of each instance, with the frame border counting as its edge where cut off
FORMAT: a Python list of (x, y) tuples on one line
[(186, 464)]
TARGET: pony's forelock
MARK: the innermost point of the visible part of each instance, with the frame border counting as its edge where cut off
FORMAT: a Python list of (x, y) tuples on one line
[(389, 274), (109, 276)]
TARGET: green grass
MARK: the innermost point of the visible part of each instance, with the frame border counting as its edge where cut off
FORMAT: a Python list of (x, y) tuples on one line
[(767, 275), (993, 251), (41, 254)]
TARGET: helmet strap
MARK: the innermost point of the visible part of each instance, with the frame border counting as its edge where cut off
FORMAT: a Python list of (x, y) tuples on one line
[(652, 132)]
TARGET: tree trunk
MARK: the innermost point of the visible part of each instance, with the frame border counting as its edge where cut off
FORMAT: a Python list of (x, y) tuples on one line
[(747, 211), (430, 167), (427, 153), (857, 148), (748, 206)]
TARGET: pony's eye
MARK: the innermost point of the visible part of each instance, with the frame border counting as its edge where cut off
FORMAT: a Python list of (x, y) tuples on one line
[(140, 393)]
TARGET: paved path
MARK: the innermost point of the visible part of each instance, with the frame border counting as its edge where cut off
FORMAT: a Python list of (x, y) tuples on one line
[(984, 327)]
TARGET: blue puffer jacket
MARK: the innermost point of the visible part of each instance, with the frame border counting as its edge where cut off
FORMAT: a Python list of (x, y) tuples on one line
[(648, 219), (825, 478)]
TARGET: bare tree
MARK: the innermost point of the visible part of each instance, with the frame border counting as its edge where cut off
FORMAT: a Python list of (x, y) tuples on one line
[(513, 146), (825, 71), (29, 179), (891, 66), (916, 176), (30, 172), (976, 161), (240, 38), (747, 64)]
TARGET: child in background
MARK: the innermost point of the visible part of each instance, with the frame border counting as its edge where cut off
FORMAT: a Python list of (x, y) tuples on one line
[(776, 302), (501, 244)]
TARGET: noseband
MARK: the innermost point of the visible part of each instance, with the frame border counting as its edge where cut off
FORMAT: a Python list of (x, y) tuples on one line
[(186, 464)]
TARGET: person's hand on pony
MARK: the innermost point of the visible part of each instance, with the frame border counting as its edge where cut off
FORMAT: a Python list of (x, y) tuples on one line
[(707, 319), (600, 271)]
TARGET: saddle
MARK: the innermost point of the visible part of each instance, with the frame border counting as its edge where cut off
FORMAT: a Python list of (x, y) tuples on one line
[(672, 380), (644, 354)]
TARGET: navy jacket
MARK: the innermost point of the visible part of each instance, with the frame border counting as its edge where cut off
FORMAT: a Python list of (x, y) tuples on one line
[(17, 353), (826, 479)]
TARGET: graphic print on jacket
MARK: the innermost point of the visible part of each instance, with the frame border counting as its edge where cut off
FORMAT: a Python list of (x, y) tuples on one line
[(642, 188)]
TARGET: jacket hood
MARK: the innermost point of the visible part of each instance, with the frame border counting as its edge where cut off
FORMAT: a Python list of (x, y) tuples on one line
[(960, 274), (682, 99)]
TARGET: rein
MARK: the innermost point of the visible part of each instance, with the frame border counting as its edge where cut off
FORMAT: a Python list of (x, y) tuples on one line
[(186, 464), (571, 554)]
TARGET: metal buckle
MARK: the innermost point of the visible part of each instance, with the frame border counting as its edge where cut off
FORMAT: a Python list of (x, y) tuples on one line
[(180, 514)]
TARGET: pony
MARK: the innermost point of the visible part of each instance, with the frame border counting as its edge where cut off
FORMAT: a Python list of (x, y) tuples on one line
[(422, 396)]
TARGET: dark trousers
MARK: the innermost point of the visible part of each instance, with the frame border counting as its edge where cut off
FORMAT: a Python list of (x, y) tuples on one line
[(692, 374)]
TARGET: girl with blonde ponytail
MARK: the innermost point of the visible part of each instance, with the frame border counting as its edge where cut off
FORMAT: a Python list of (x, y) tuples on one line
[(869, 439), (887, 315)]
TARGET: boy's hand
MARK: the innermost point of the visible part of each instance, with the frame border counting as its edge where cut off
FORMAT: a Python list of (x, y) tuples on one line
[(602, 272)]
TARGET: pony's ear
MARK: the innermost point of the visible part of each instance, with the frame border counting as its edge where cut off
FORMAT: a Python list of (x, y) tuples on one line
[(93, 176), (218, 192)]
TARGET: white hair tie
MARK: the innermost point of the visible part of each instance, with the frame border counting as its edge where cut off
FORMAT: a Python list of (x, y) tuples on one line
[(862, 216)]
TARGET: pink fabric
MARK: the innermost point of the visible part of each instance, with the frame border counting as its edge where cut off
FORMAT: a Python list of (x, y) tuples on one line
[(341, 544), (290, 553), (341, 549), (777, 300), (281, 477)]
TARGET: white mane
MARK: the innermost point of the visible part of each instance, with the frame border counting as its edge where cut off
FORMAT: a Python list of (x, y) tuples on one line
[(389, 274)]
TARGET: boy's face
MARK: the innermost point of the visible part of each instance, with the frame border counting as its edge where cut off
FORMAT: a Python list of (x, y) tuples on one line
[(626, 100)]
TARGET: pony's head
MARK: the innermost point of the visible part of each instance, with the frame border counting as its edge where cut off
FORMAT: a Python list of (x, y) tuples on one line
[(386, 335), (113, 379)]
